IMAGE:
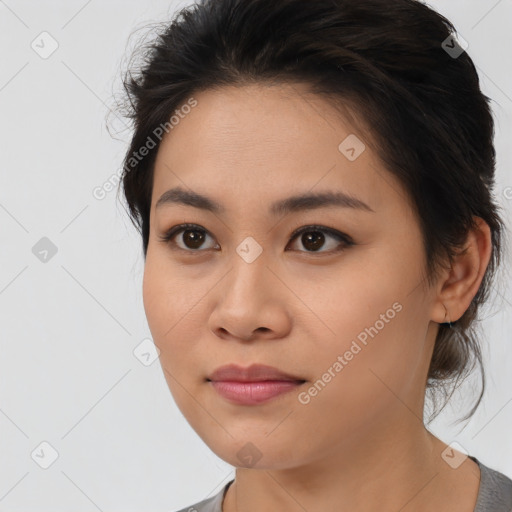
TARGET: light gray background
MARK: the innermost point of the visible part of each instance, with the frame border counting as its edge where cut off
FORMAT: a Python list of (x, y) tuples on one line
[(69, 326)]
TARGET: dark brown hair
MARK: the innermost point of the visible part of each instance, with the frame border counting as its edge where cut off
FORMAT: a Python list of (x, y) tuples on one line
[(389, 62)]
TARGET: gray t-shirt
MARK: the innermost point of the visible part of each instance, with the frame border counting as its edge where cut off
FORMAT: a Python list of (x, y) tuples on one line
[(494, 494)]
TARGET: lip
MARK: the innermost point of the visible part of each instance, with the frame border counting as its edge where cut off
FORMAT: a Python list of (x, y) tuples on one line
[(253, 373), (253, 385)]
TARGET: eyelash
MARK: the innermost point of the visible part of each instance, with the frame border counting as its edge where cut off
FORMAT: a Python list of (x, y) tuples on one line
[(341, 237)]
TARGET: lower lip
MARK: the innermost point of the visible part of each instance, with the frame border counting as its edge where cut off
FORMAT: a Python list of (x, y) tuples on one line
[(251, 393)]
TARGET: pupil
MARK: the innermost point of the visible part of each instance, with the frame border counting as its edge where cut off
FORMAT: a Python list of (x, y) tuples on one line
[(314, 238), (195, 240)]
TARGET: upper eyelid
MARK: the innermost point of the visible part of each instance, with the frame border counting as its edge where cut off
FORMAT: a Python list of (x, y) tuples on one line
[(312, 227)]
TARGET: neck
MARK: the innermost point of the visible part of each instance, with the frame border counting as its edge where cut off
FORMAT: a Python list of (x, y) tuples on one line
[(395, 467)]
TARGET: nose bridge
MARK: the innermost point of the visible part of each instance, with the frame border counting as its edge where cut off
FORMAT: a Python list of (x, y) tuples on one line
[(248, 302), (248, 275)]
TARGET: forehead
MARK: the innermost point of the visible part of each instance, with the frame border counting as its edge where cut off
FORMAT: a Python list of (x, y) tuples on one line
[(252, 143)]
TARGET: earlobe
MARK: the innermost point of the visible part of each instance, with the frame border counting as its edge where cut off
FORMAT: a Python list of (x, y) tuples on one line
[(447, 317), (466, 274)]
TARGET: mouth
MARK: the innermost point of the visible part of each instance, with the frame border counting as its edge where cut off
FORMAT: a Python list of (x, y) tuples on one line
[(253, 385), (253, 373)]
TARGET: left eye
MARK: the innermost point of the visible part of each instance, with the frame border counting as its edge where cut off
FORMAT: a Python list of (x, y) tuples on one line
[(312, 237)]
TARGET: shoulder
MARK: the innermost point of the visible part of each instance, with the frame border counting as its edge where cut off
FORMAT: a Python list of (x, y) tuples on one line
[(212, 504), (495, 493)]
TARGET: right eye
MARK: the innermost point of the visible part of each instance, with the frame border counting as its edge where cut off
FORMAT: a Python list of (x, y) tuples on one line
[(193, 236)]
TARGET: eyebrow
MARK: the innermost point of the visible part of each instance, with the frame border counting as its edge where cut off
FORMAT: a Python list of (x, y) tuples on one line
[(297, 203)]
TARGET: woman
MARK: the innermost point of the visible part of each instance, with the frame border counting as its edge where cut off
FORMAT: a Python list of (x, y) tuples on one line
[(313, 186)]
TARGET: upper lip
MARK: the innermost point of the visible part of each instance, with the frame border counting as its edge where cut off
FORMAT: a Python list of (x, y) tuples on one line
[(253, 373)]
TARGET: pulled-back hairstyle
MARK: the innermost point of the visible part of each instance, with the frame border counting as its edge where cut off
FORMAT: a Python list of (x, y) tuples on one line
[(387, 61)]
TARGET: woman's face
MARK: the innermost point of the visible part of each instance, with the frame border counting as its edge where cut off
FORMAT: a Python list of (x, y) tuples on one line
[(352, 319)]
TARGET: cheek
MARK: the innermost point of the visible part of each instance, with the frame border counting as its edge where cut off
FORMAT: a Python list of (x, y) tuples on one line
[(167, 309), (168, 312), (156, 300), (376, 328), (168, 297), (363, 376)]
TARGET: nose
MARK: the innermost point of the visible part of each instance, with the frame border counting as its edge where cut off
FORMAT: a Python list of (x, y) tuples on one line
[(251, 303)]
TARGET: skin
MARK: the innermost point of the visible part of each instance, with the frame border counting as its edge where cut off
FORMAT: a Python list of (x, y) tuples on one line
[(360, 444)]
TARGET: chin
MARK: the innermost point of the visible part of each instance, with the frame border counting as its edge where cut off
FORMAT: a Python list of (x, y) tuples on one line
[(261, 452)]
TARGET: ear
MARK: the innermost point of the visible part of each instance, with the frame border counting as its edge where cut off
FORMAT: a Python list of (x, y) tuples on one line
[(460, 283)]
